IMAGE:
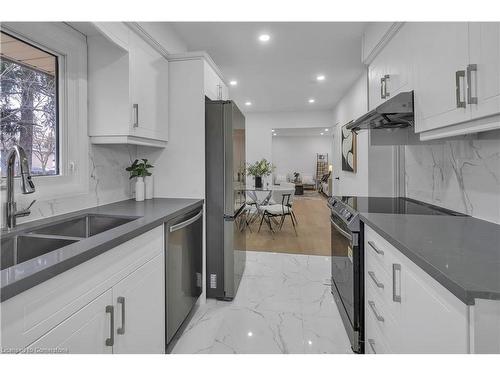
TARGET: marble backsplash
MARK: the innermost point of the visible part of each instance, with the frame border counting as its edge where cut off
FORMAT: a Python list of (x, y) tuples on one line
[(108, 182), (462, 175)]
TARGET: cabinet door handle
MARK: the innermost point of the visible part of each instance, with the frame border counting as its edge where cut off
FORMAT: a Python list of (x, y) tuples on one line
[(382, 88), (459, 75), (379, 317), (377, 250), (110, 341), (396, 282), (136, 115), (471, 68), (387, 77), (375, 280), (372, 345), (121, 330)]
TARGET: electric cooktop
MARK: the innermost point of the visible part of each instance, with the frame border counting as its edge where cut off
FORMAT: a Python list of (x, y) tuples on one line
[(387, 205)]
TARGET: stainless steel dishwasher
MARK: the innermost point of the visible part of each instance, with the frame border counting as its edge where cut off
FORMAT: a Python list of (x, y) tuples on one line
[(183, 267)]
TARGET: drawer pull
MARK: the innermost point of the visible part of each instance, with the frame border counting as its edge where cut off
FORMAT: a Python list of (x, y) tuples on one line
[(121, 330), (396, 282), (459, 75), (375, 280), (372, 345), (379, 317), (111, 340), (377, 250)]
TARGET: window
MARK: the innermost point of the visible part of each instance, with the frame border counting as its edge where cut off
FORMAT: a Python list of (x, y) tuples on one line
[(29, 104)]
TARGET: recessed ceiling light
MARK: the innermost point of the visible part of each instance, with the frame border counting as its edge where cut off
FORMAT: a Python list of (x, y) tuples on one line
[(248, 103), (326, 129), (311, 100), (250, 334), (264, 37), (320, 77), (321, 133), (233, 83)]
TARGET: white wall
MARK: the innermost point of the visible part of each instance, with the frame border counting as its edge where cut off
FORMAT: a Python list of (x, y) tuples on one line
[(259, 124), (179, 170), (298, 154), (375, 164), (353, 104)]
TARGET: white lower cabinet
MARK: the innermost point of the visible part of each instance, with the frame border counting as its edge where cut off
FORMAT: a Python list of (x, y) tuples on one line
[(129, 318), (113, 303), (406, 310), (139, 302), (82, 333)]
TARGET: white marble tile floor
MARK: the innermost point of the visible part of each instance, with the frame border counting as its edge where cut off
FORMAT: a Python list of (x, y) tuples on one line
[(283, 305)]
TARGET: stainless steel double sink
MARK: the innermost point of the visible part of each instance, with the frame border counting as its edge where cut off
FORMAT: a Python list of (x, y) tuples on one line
[(20, 247)]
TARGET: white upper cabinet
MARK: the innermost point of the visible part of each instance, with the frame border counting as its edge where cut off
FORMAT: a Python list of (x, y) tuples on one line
[(116, 32), (215, 88), (484, 69), (376, 74), (441, 57), (454, 70), (128, 88), (148, 90), (391, 70)]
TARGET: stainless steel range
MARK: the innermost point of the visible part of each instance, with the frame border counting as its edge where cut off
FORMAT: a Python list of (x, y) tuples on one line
[(347, 269)]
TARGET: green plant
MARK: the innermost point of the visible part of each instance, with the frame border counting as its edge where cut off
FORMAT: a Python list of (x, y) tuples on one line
[(139, 168), (260, 168)]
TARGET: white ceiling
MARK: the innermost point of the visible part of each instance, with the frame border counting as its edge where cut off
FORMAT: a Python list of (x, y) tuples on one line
[(280, 75), (302, 132)]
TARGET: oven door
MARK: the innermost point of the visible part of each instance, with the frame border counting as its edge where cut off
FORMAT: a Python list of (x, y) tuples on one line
[(345, 252)]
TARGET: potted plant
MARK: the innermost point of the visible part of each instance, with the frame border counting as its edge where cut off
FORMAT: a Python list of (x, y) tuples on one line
[(139, 170), (260, 169)]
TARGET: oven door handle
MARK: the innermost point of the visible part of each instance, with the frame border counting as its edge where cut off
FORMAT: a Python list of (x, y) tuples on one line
[(341, 231)]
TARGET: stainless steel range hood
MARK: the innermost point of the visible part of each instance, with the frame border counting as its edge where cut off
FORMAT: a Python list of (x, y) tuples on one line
[(394, 113)]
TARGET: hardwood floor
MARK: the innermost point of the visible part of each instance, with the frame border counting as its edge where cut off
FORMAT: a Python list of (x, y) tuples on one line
[(313, 230)]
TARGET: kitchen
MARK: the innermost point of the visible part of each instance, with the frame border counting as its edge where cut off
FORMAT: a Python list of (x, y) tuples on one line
[(125, 228)]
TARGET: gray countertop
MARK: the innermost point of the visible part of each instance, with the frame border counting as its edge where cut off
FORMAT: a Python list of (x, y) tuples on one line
[(151, 213), (460, 252)]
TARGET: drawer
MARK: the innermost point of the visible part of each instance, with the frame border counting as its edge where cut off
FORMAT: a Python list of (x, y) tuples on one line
[(383, 285), (378, 250), (375, 342), (378, 314)]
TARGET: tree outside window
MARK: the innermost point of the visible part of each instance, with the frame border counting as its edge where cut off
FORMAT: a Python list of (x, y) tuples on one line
[(28, 104)]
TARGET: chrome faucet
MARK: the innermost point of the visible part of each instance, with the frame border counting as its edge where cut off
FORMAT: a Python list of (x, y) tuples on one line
[(27, 185)]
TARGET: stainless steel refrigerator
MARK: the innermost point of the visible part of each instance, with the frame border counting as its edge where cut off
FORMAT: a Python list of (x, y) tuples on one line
[(225, 198)]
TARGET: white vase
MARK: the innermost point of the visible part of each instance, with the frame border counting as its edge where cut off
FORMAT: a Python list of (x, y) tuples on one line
[(148, 180), (139, 189)]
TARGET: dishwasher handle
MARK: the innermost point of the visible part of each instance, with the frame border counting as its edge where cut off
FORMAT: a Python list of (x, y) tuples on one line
[(184, 224)]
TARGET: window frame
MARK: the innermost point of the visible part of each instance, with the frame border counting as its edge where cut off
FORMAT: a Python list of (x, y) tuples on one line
[(70, 47), (57, 94)]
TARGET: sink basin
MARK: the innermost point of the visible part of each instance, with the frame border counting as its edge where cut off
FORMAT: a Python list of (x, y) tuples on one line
[(84, 226), (18, 249)]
